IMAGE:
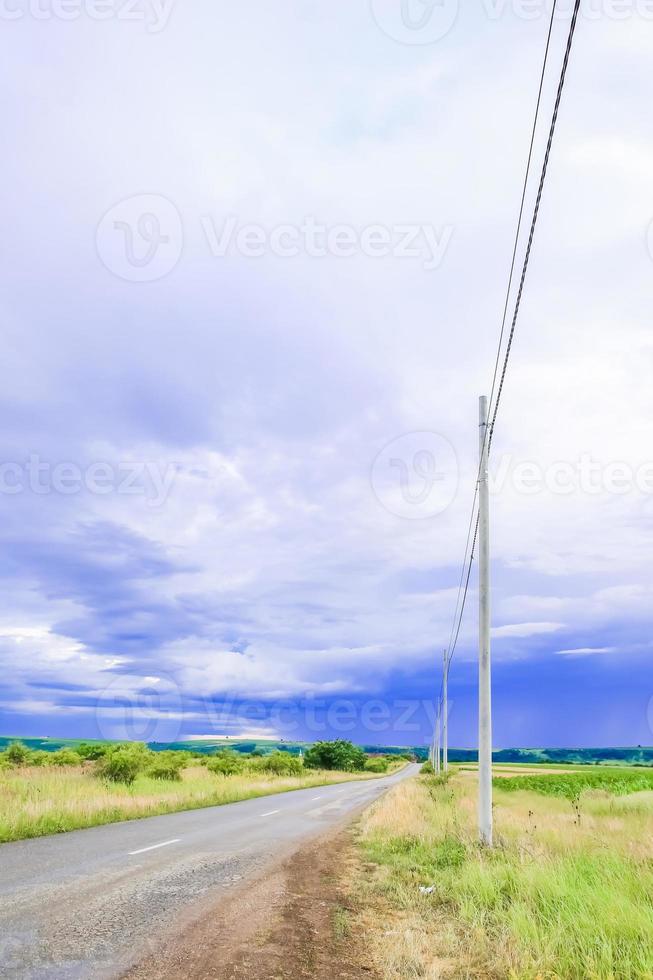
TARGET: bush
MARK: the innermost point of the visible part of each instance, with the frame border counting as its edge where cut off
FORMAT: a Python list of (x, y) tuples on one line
[(340, 754), (61, 757), (377, 765), (165, 770), (226, 763), (17, 754), (281, 764), (91, 753), (167, 765), (122, 765)]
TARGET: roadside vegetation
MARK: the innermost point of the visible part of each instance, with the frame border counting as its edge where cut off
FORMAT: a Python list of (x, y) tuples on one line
[(45, 792), (567, 892)]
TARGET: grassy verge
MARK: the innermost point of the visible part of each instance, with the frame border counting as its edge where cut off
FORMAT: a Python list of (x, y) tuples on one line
[(566, 893), (35, 801)]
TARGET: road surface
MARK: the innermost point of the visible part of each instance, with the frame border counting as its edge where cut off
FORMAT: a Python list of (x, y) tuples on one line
[(92, 903)]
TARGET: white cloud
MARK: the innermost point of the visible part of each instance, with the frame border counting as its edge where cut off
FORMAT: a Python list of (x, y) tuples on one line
[(585, 651), (523, 630)]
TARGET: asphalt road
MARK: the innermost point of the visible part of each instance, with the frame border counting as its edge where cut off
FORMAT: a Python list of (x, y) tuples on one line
[(91, 903)]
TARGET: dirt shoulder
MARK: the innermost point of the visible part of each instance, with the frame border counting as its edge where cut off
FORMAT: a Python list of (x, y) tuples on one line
[(293, 922)]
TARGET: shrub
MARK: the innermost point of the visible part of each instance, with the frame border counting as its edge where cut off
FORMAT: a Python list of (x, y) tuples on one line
[(340, 754), (377, 765), (122, 765), (281, 764), (17, 754), (61, 757), (226, 763), (90, 752), (165, 770), (167, 765)]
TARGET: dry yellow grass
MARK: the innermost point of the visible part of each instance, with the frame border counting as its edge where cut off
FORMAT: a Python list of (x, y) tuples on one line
[(38, 801)]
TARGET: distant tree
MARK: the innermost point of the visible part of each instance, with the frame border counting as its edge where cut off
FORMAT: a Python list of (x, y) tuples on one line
[(340, 754), (91, 751), (17, 754)]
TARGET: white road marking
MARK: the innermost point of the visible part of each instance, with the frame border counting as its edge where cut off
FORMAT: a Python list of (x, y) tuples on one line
[(271, 813), (315, 798), (153, 847)]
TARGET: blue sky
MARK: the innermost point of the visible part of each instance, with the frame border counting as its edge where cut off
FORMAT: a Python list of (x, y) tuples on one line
[(253, 271)]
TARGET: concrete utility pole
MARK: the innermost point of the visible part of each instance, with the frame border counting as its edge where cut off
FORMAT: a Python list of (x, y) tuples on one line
[(484, 673), (445, 709), (436, 765)]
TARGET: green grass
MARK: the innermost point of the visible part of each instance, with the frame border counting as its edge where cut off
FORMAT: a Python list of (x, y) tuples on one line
[(555, 898), (39, 801)]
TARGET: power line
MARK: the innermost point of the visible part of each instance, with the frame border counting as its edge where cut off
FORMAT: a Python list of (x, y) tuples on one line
[(523, 196), (536, 211), (469, 555), (455, 629)]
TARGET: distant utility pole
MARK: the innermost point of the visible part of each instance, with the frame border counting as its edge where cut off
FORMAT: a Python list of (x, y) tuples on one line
[(484, 673), (436, 763), (445, 732)]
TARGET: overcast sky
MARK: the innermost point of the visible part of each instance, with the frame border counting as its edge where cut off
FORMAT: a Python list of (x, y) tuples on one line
[(254, 262)]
